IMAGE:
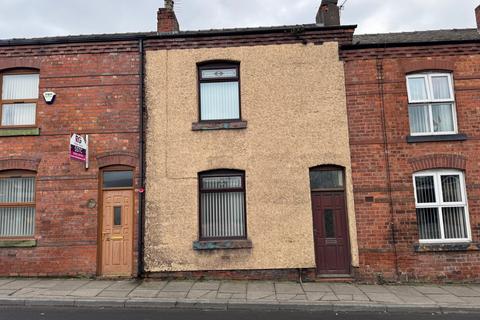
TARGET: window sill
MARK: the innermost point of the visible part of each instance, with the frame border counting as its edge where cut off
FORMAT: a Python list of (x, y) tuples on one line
[(222, 244), (13, 243), (437, 138), (219, 125), (15, 132), (446, 247)]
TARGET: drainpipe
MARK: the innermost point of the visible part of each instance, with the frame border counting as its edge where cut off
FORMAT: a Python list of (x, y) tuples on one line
[(141, 209), (381, 88)]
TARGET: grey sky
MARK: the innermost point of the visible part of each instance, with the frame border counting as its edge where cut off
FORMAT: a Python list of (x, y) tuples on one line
[(34, 18)]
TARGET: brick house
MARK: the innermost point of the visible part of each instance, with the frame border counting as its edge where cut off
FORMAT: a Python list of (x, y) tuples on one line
[(247, 155), (413, 117), (57, 217)]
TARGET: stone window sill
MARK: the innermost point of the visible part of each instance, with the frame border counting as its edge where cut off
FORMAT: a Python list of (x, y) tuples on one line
[(219, 125), (18, 243), (15, 132), (222, 244), (437, 138), (446, 247)]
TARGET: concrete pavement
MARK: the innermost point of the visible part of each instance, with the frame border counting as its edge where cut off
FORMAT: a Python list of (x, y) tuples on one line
[(246, 295)]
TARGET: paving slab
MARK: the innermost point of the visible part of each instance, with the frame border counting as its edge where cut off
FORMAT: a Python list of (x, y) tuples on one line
[(257, 295), (384, 298), (445, 298), (178, 286), (172, 294), (98, 284), (152, 285), (462, 291), (233, 287), (5, 281), (285, 296), (197, 294), (45, 283), (237, 296), (224, 296), (140, 293), (114, 293), (345, 289), (124, 285), (330, 297), (288, 288), (260, 286), (316, 287), (430, 290), (6, 292), (206, 285), (19, 284), (373, 289), (85, 292), (315, 295)]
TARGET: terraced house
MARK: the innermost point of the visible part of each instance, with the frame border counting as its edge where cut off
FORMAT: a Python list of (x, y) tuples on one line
[(413, 103), (58, 215), (247, 158)]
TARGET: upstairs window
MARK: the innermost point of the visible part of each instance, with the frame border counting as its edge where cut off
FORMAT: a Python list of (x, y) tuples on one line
[(431, 106), (17, 204), (19, 99), (222, 205), (441, 202), (219, 86)]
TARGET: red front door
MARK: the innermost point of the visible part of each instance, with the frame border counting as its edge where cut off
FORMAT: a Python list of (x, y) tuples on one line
[(330, 229)]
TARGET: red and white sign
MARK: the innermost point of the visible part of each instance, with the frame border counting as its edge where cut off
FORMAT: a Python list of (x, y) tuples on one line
[(78, 148)]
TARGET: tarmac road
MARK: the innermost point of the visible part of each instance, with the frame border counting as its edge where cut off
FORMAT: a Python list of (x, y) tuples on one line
[(26, 313)]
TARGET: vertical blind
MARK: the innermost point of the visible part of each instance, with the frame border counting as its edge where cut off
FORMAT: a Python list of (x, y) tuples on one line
[(20, 86), (17, 88), (17, 220), (441, 207), (18, 114), (220, 100), (222, 212)]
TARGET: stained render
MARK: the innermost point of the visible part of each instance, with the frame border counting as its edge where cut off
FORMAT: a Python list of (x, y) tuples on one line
[(293, 97)]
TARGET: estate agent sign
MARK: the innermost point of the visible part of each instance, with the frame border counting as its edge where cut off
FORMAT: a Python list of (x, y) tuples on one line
[(78, 148)]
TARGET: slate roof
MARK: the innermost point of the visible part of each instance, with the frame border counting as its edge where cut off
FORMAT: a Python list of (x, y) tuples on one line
[(433, 36), (180, 34)]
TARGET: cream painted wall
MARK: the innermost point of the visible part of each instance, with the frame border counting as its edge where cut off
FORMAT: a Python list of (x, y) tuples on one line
[(293, 97)]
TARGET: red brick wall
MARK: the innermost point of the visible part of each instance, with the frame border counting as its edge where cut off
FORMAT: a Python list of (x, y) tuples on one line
[(97, 89), (379, 257)]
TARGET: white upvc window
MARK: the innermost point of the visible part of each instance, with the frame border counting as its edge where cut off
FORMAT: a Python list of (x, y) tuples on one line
[(431, 104), (18, 99), (441, 203)]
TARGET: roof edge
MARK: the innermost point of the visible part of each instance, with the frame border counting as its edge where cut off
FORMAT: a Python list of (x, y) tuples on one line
[(154, 35)]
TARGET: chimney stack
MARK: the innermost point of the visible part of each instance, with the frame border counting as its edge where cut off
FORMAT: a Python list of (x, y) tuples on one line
[(166, 18), (328, 13), (477, 14)]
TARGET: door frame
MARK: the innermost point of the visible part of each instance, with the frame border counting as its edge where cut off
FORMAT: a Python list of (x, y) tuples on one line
[(101, 191), (331, 167)]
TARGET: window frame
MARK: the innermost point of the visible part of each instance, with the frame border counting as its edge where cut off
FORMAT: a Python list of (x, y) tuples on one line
[(218, 64), (11, 174), (430, 101), (18, 101), (439, 203), (221, 173)]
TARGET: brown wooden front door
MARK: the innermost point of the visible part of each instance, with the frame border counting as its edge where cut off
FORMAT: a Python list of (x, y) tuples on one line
[(332, 249), (117, 233)]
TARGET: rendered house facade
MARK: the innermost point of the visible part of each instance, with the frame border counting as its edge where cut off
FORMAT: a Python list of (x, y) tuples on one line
[(247, 157)]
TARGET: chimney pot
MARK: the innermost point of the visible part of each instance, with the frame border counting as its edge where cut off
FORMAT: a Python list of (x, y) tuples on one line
[(477, 14), (328, 13), (166, 18)]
